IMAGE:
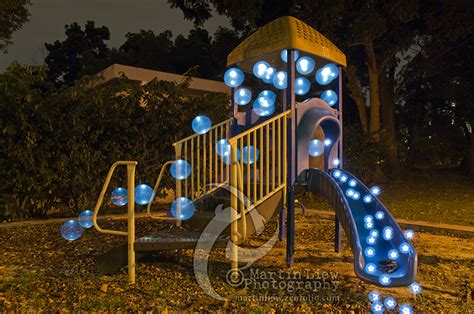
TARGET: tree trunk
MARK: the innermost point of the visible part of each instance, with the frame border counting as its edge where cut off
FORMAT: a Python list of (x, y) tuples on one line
[(357, 95), (389, 142), (374, 89)]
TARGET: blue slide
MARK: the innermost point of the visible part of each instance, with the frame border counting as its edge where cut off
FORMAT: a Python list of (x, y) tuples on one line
[(382, 255)]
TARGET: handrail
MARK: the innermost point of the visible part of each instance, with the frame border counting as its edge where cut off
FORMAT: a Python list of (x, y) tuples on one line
[(196, 135), (102, 194), (240, 189), (155, 190)]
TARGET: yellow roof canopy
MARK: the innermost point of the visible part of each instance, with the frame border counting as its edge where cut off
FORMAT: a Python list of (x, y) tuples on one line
[(285, 32)]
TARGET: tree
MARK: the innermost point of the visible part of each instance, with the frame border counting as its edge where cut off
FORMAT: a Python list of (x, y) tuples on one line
[(83, 52), (13, 15)]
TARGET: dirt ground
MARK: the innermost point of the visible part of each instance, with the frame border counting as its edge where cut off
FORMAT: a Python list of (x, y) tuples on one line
[(41, 271)]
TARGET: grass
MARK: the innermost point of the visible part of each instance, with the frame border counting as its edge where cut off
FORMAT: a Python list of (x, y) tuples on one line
[(41, 271), (442, 197)]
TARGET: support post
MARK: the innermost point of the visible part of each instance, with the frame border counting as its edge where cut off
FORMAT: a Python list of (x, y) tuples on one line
[(131, 222), (234, 228), (178, 187)]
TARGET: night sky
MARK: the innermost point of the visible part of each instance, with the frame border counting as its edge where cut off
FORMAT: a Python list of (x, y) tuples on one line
[(48, 18)]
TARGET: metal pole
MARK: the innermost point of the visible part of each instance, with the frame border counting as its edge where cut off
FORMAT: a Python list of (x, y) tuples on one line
[(131, 222), (290, 219), (234, 206), (337, 227)]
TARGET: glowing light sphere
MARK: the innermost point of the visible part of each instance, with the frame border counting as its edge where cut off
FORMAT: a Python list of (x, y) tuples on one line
[(228, 157), (393, 255), (267, 98), (374, 233), (119, 196), (336, 174), (260, 69), (336, 162), (343, 178), (85, 218), (268, 76), (327, 142), (350, 192), (356, 196), (387, 233), (201, 124), (233, 77), (409, 234), (180, 169), (385, 280), (248, 154), (368, 218), (370, 268), (327, 74), (71, 230), (280, 80), (375, 190), (284, 55), (415, 288), (302, 86), (390, 303), (182, 208), (367, 199), (352, 183), (405, 248), (242, 96), (316, 148), (371, 240), (405, 309), (330, 97), (222, 147), (379, 215), (261, 110), (374, 296), (377, 308), (143, 194), (369, 251), (305, 65), (368, 225)]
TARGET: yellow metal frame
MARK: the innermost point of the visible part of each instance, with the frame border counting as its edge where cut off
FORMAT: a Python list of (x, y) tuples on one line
[(131, 166)]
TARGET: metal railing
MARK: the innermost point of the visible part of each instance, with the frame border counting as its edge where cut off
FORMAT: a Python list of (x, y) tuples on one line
[(209, 171), (131, 166)]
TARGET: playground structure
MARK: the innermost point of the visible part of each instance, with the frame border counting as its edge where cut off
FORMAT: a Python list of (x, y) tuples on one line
[(269, 150)]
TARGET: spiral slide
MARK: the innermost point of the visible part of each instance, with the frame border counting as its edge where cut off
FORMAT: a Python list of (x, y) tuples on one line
[(382, 254)]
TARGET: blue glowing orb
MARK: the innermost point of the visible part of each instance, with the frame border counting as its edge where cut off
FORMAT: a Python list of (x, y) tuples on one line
[(71, 230), (284, 55), (119, 196), (393, 255), (316, 148), (375, 190), (242, 96), (336, 174), (143, 194), (405, 248), (367, 199), (356, 196), (180, 169), (280, 80), (261, 110), (222, 147), (352, 183), (374, 233), (250, 154), (385, 280), (377, 308), (370, 268), (368, 218), (390, 303), (405, 309), (182, 208), (343, 178), (305, 65), (350, 192), (267, 98), (415, 288), (330, 97), (369, 251), (233, 77), (227, 158), (387, 233), (409, 234), (369, 225), (302, 86), (268, 76), (327, 74), (374, 296), (201, 124), (260, 68), (371, 240), (85, 219), (379, 215)]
